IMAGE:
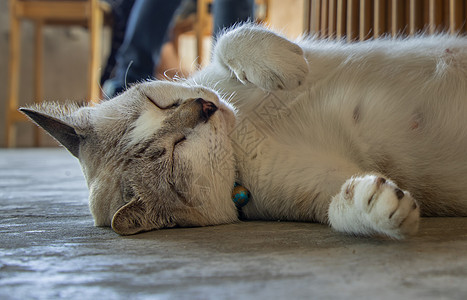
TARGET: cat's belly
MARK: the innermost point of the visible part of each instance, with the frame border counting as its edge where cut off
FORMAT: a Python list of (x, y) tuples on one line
[(291, 182)]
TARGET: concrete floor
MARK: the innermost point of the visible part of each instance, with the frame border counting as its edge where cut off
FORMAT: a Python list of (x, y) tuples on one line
[(50, 249)]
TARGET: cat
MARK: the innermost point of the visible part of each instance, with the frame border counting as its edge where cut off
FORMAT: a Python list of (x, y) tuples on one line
[(365, 137)]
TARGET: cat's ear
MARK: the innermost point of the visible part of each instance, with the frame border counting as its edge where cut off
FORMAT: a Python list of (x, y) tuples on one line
[(65, 134), (134, 217)]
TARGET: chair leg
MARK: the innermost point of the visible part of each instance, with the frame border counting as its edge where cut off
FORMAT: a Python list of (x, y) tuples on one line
[(13, 86), (202, 14), (38, 65), (95, 34)]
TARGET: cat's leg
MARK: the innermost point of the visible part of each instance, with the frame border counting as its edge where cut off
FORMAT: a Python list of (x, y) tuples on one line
[(373, 204), (329, 189), (256, 55)]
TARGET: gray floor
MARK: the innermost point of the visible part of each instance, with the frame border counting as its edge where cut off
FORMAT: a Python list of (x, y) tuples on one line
[(49, 249)]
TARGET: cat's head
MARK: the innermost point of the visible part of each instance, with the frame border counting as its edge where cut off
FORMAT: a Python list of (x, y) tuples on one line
[(156, 156)]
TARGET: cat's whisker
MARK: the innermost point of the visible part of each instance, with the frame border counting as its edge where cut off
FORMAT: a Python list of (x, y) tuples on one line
[(126, 74), (102, 90), (165, 73), (181, 70), (168, 77), (177, 77), (194, 64), (229, 99)]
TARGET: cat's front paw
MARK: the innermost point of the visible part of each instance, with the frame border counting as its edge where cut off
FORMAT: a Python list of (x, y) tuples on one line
[(376, 204), (256, 55)]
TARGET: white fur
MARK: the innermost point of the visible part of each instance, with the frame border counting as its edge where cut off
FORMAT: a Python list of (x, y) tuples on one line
[(340, 112), (373, 208), (149, 122)]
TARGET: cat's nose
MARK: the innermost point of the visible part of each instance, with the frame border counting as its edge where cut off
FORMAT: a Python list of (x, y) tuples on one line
[(207, 108)]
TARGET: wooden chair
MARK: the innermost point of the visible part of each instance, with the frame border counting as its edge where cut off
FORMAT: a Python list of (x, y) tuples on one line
[(88, 13)]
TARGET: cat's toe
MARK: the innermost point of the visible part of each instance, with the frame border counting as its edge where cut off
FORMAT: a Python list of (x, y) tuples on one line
[(395, 213), (384, 207)]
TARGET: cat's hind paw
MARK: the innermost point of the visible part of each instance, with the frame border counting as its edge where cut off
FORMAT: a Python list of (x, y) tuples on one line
[(373, 204)]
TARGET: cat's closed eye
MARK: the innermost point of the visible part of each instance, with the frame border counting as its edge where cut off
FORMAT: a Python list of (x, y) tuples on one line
[(164, 107)]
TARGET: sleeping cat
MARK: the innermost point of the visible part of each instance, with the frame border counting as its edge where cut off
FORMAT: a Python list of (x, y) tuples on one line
[(361, 136)]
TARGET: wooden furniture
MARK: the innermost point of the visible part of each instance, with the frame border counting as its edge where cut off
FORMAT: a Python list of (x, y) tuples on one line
[(364, 19), (88, 13), (203, 26)]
